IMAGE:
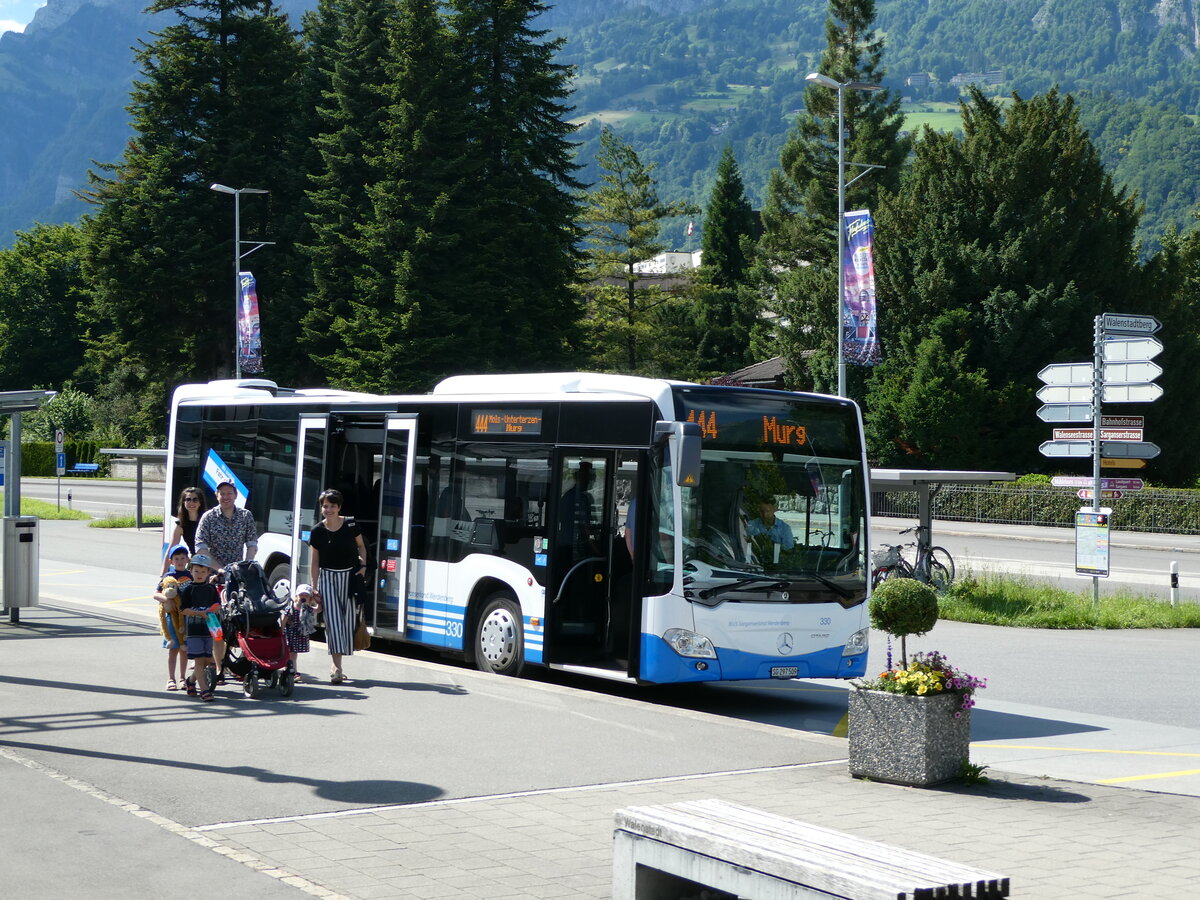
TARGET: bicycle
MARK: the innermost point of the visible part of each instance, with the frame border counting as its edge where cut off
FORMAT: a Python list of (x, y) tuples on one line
[(933, 565)]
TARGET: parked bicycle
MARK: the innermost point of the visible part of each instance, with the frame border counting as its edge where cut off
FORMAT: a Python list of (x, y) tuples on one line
[(933, 565)]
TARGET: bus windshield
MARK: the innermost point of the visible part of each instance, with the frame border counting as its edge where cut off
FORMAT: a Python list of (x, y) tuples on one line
[(779, 514)]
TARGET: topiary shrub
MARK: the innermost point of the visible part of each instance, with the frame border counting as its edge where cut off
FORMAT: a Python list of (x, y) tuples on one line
[(903, 606)]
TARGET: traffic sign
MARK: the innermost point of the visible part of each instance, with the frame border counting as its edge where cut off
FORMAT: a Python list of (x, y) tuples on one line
[(1106, 434), (1127, 393), (59, 438), (1074, 449), (1131, 349), (1066, 412), (1066, 393), (1122, 463), (1131, 372), (1067, 373), (1115, 484), (1122, 421), (1088, 493), (60, 464), (1117, 323), (1129, 449)]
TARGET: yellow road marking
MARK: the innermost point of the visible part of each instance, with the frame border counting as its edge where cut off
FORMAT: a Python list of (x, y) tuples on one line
[(986, 746), (65, 572), (1149, 777), (841, 729)]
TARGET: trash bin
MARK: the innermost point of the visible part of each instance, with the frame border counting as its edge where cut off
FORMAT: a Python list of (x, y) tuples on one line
[(19, 553)]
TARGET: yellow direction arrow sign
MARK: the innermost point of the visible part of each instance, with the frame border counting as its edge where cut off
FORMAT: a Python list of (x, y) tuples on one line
[(1122, 463)]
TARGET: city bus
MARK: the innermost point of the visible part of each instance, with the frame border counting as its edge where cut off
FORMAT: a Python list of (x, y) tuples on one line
[(629, 528)]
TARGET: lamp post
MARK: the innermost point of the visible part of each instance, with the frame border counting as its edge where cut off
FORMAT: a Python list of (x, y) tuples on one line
[(840, 87), (238, 256)]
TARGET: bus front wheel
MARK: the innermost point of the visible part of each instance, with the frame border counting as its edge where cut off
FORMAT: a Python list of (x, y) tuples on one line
[(499, 644)]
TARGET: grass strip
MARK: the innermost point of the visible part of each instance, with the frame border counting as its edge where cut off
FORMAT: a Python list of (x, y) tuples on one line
[(114, 521), (1022, 603)]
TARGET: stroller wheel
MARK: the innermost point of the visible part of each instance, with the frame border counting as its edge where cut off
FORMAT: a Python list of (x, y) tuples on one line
[(287, 681), (250, 683)]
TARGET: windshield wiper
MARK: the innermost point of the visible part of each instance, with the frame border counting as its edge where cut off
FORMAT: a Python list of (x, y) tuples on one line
[(831, 584), (766, 583)]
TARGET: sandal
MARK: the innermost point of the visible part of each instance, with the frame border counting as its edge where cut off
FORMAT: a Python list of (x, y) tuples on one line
[(190, 684), (171, 685), (206, 695), (337, 678)]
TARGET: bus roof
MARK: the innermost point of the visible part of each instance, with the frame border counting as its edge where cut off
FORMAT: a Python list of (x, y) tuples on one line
[(544, 383)]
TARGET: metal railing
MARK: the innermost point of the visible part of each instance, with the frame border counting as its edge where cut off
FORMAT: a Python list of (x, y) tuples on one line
[(1163, 510)]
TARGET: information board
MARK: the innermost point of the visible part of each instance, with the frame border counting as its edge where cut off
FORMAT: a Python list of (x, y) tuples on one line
[(1091, 541)]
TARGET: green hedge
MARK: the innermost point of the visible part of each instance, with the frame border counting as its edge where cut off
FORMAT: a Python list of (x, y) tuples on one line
[(1167, 510), (37, 457)]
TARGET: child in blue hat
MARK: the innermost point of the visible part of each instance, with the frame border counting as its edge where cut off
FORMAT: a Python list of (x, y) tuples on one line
[(170, 619)]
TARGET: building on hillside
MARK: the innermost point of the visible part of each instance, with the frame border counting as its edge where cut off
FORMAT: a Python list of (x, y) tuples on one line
[(995, 76)]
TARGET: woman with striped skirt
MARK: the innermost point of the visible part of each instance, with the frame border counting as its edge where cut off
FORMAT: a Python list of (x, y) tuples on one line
[(338, 551)]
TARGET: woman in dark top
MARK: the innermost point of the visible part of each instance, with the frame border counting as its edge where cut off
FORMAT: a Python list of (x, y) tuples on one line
[(191, 507), (338, 551)]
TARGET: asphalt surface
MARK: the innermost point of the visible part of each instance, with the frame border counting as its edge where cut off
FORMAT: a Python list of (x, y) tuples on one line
[(425, 779)]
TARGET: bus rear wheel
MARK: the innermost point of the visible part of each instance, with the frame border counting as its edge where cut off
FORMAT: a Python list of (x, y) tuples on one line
[(499, 642)]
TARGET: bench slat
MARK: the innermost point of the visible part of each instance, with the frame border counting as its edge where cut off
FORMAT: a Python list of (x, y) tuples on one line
[(938, 869), (807, 854)]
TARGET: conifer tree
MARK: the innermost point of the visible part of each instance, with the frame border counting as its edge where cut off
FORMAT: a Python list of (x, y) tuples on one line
[(349, 51), (623, 215), (417, 315), (214, 103), (521, 254), (1015, 234), (725, 308), (796, 266)]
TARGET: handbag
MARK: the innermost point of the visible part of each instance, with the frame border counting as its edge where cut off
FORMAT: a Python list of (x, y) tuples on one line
[(362, 637)]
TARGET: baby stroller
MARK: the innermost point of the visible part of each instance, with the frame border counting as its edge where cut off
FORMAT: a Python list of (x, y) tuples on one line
[(250, 615)]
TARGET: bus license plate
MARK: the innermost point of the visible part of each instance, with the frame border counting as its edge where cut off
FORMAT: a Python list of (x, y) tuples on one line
[(784, 671)]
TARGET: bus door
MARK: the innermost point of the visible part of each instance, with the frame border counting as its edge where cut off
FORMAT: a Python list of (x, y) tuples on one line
[(588, 555), (311, 453), (389, 582)]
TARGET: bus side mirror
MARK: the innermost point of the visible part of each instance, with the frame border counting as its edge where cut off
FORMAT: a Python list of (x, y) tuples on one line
[(684, 441)]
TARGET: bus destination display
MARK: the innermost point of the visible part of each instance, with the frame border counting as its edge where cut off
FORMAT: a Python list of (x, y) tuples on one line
[(507, 421)]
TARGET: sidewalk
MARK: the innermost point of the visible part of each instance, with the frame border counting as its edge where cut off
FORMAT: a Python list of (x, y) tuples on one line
[(1054, 839)]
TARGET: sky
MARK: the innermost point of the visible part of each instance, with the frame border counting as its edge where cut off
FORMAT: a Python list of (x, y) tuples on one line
[(16, 14)]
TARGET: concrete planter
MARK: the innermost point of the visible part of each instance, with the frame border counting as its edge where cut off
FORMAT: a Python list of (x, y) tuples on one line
[(907, 740)]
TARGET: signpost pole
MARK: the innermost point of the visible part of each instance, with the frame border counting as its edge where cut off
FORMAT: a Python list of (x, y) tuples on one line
[(1097, 393)]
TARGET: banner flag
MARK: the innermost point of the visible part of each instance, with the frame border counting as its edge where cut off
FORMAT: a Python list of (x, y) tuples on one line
[(860, 341), (249, 343)]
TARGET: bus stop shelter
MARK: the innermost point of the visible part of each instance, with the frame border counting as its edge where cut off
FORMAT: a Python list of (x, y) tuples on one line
[(140, 457), (926, 482)]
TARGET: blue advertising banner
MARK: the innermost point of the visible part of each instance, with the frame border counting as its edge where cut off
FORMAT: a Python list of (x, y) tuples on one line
[(860, 340), (248, 326)]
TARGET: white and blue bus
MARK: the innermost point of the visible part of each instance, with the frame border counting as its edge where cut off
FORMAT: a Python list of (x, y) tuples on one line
[(628, 528)]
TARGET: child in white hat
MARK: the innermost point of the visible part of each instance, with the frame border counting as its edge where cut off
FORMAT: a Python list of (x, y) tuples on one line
[(298, 623)]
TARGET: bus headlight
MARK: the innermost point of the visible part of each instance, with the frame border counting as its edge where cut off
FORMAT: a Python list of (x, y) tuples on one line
[(856, 643), (688, 643)]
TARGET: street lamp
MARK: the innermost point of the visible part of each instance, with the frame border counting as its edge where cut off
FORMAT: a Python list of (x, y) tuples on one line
[(238, 256), (840, 87)]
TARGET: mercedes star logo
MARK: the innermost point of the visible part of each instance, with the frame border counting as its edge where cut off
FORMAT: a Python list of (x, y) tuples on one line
[(785, 644)]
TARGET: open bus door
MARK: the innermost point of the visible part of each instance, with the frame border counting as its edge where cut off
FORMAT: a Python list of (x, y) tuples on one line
[(388, 583), (311, 453), (368, 456)]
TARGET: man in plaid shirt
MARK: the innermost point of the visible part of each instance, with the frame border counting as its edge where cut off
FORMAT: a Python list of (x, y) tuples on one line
[(225, 529)]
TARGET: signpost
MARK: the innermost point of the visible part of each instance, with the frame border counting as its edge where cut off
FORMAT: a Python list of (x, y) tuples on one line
[(1086, 494), (1106, 434), (1113, 484), (1121, 371), (60, 463)]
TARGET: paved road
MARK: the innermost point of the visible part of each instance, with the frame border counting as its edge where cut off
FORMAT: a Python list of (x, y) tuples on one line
[(1041, 683), (424, 779)]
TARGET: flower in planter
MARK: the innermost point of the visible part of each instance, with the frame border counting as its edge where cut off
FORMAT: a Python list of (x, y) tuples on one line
[(928, 673)]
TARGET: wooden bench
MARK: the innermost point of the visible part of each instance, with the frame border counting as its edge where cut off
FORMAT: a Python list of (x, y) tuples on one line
[(675, 850), (84, 469)]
